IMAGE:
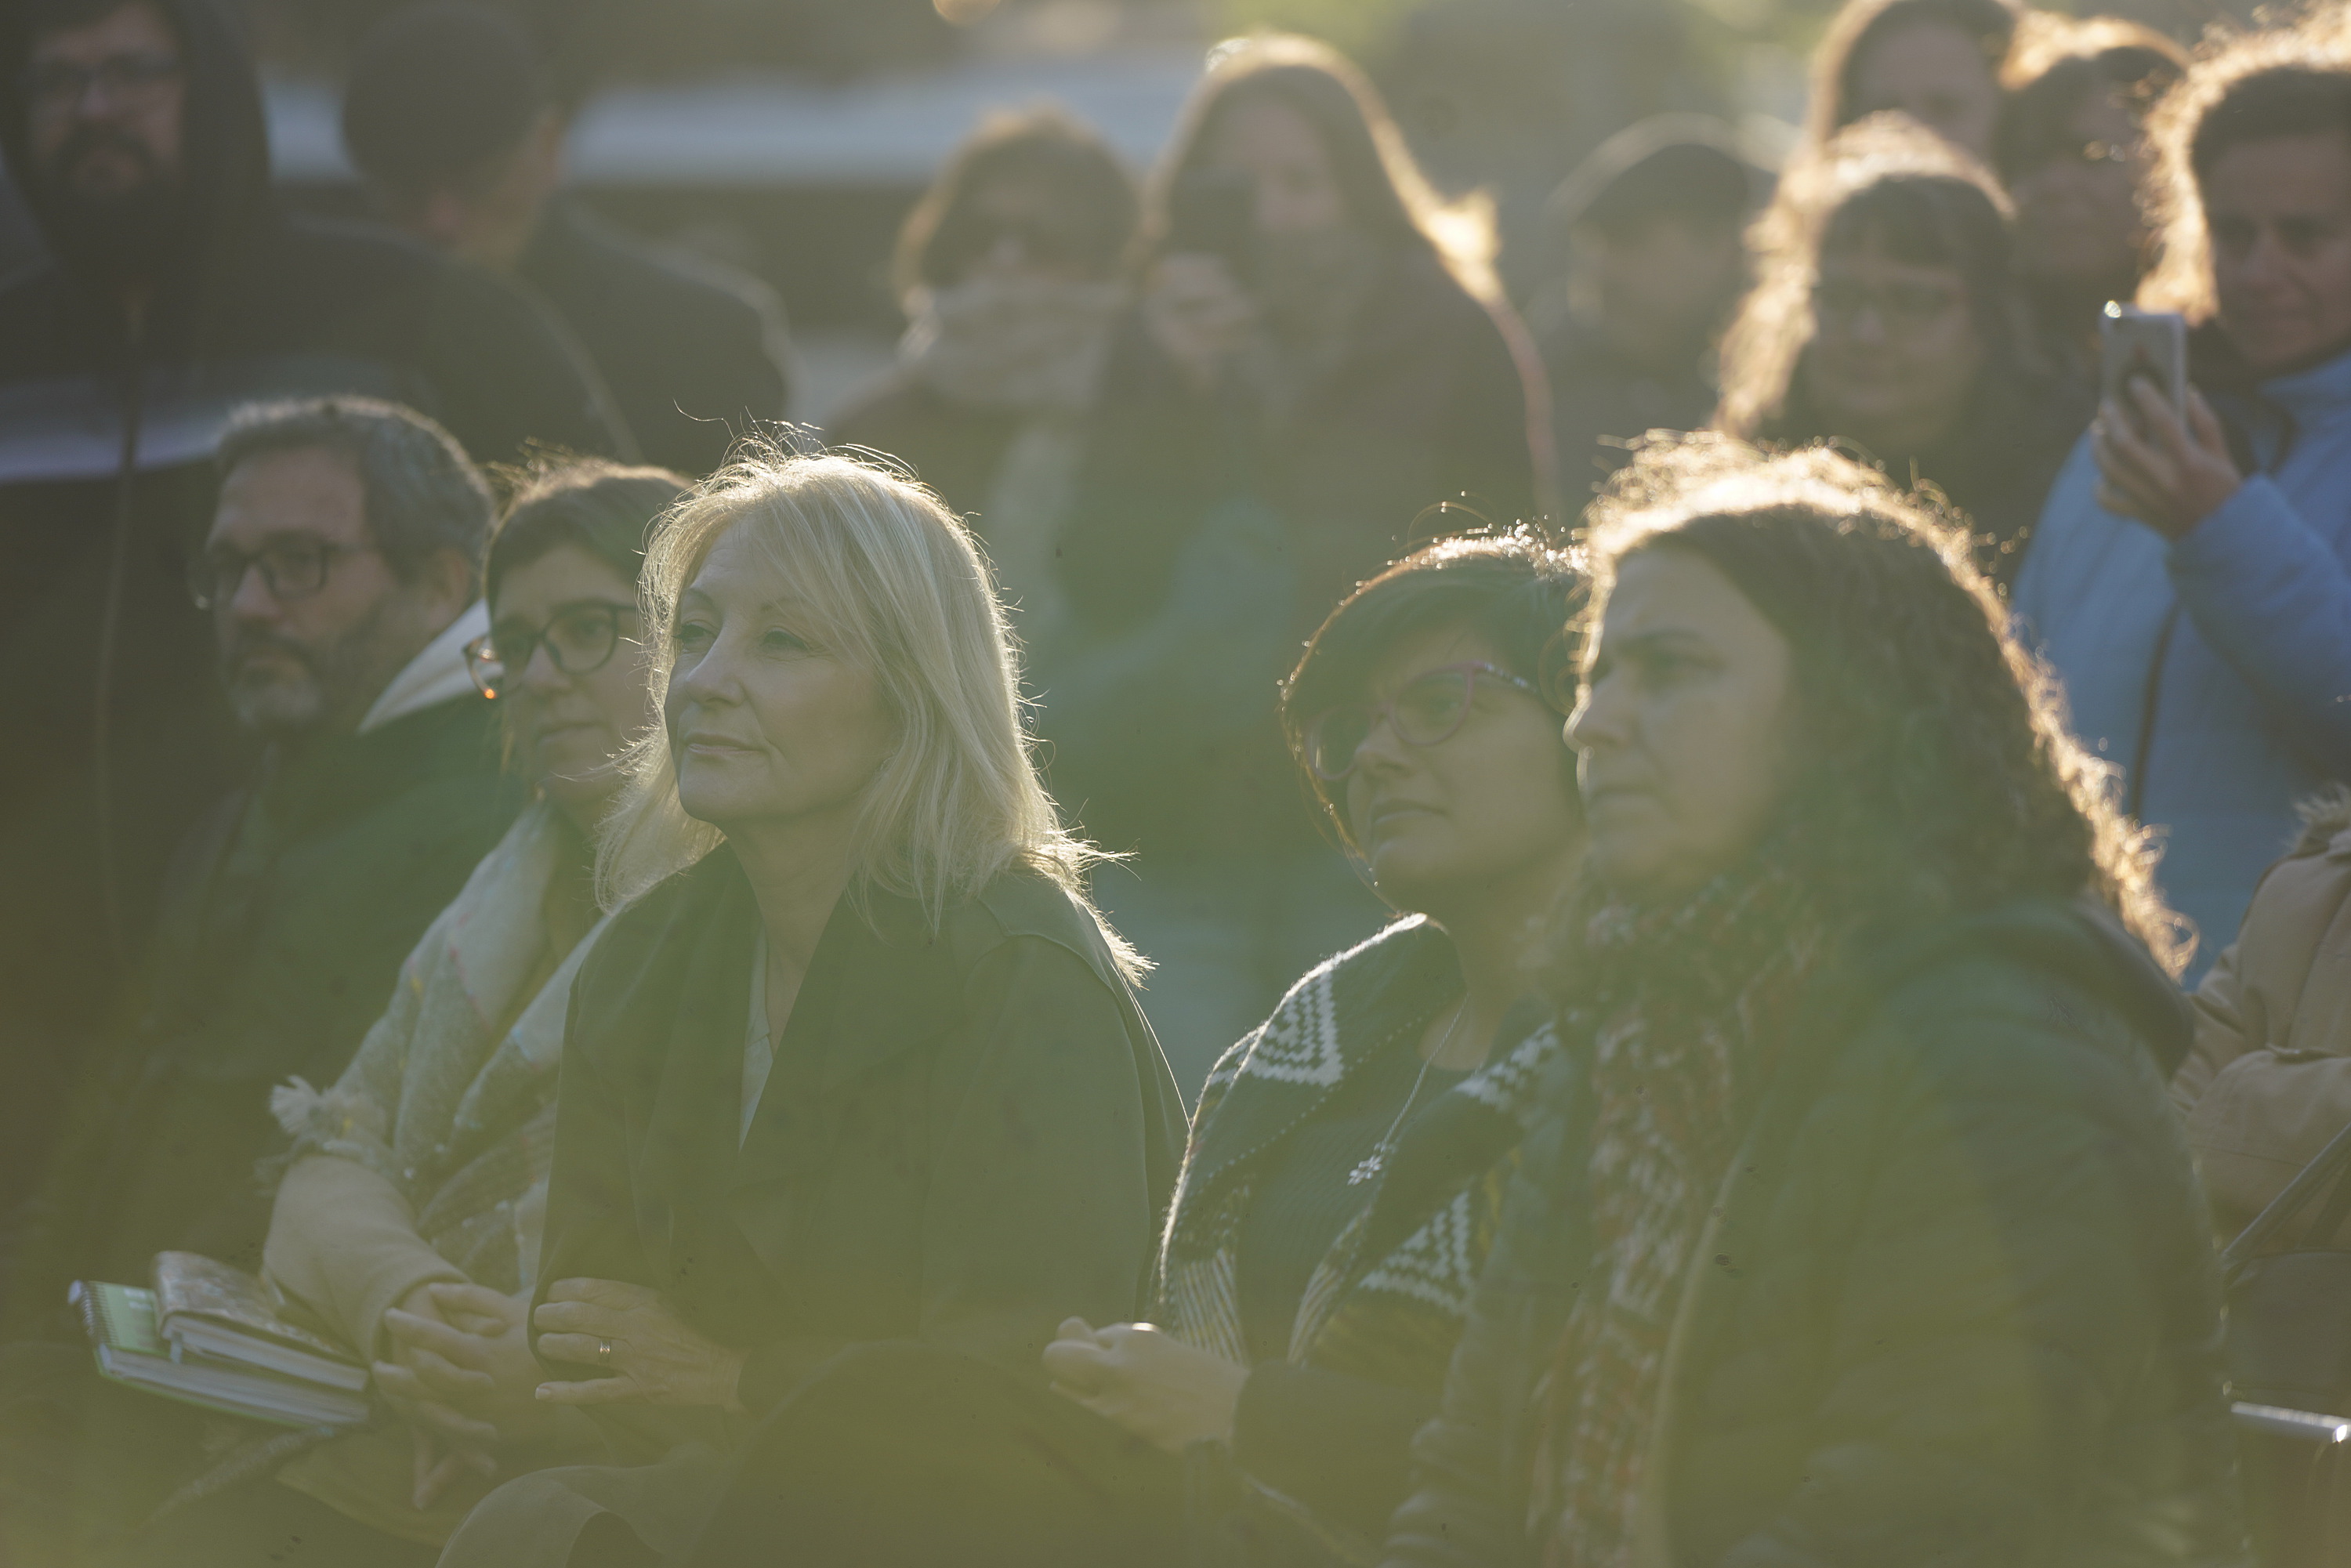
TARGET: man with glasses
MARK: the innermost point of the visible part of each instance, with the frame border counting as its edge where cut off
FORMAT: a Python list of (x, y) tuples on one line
[(339, 579), (173, 291), (450, 116)]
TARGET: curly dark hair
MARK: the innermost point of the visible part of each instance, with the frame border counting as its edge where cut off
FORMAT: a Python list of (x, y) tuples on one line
[(2058, 64), (1515, 589), (1940, 774)]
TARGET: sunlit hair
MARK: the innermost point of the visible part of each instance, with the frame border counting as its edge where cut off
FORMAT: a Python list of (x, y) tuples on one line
[(1886, 181), (2291, 79), (1937, 773), (1515, 590), (1387, 194), (2056, 65), (1863, 25), (893, 583)]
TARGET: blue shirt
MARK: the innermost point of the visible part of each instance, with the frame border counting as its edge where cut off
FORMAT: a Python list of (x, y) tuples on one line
[(2214, 672)]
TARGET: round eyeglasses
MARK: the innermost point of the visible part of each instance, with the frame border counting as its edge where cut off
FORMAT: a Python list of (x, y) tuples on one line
[(579, 637), (1430, 708)]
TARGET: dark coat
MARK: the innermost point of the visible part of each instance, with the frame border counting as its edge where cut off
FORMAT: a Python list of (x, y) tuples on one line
[(249, 303), (1998, 467), (1959, 1306), (1601, 399), (288, 915), (953, 447), (967, 1136), (1327, 1425), (691, 352)]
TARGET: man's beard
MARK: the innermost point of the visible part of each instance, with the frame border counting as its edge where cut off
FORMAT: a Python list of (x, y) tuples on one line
[(327, 683), (127, 229)]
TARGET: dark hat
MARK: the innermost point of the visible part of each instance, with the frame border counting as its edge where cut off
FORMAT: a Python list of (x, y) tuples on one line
[(436, 88), (1688, 165)]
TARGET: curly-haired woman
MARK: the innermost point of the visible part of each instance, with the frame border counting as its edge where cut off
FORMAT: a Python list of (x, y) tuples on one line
[(1880, 1243), (1885, 315)]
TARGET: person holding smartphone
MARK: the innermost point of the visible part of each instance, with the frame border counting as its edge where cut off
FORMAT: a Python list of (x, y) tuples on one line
[(2191, 577), (1318, 356)]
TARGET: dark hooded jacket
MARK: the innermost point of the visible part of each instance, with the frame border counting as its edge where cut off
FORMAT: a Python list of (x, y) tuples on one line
[(1957, 1304), (106, 485), (692, 353)]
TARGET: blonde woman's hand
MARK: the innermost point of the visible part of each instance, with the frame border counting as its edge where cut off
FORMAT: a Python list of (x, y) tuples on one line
[(655, 1358), (1148, 1381), (466, 1364)]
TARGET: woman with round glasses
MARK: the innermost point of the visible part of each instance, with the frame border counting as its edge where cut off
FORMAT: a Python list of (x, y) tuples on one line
[(1884, 317), (407, 1224), (1346, 1162)]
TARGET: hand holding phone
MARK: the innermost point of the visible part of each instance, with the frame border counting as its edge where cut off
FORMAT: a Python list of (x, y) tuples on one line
[(2148, 346), (2162, 455)]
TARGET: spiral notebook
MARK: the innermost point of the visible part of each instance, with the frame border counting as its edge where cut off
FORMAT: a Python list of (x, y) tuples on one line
[(121, 1321)]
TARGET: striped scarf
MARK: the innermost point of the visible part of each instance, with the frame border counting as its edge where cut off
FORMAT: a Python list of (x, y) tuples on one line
[(1680, 1014)]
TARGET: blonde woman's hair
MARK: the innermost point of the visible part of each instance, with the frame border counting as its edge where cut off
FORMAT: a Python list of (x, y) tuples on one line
[(895, 582)]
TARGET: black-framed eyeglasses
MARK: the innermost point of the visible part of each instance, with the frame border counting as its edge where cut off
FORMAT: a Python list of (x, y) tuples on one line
[(1431, 708), (134, 80), (579, 637), (293, 568)]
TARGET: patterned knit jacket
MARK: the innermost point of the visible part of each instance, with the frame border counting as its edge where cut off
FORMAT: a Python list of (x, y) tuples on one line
[(1386, 1303)]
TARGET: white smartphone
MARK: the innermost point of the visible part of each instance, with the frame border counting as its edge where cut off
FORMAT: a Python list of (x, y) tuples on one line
[(2142, 345)]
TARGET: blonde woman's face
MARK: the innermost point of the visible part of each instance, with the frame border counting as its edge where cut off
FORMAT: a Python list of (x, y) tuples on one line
[(768, 726)]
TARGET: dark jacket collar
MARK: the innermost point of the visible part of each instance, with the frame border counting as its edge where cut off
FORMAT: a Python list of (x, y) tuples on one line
[(880, 983)]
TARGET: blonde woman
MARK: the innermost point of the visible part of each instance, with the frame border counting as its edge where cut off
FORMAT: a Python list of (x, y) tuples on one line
[(855, 1063)]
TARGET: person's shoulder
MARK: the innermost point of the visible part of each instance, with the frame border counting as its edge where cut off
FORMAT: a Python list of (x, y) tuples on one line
[(1023, 905), (2033, 991), (676, 280), (353, 255)]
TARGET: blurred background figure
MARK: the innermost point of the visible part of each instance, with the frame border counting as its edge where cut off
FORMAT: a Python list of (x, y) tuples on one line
[(1318, 356), (1938, 61), (450, 115), (1885, 315), (1655, 224), (175, 288), (1010, 272), (2072, 149), (2191, 579)]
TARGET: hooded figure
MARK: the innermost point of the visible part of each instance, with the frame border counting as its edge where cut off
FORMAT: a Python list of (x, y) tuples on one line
[(168, 299)]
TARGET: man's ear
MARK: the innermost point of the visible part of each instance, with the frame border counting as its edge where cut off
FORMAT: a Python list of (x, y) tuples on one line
[(449, 581)]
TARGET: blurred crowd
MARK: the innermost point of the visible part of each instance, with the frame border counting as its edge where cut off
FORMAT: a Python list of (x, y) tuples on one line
[(1681, 850)]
